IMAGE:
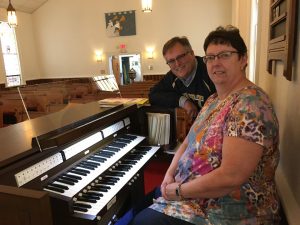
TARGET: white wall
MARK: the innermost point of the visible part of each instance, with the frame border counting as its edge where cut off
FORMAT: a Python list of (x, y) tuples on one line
[(27, 47), (68, 32), (285, 96)]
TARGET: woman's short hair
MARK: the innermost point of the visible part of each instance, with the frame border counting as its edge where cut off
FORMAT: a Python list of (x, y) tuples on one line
[(226, 35), (181, 40)]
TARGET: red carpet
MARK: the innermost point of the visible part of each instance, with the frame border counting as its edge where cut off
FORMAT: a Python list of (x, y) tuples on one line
[(154, 173)]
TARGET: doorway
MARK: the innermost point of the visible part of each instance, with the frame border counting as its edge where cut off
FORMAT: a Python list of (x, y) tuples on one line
[(120, 65)]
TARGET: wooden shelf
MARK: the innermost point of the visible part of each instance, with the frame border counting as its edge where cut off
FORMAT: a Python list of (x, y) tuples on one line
[(282, 31), (278, 19), (275, 3)]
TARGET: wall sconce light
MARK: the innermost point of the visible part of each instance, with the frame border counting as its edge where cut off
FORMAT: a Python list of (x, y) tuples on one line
[(99, 56), (11, 16), (147, 6), (150, 52)]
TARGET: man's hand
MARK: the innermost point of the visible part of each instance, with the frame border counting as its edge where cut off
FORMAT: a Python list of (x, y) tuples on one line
[(191, 109)]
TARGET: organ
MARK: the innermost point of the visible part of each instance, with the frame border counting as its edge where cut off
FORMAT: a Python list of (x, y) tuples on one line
[(88, 159)]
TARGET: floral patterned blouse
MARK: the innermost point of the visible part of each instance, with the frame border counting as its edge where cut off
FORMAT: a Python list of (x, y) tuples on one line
[(246, 114)]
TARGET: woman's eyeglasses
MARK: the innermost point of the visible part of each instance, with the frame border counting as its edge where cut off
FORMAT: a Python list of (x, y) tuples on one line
[(179, 58), (222, 56)]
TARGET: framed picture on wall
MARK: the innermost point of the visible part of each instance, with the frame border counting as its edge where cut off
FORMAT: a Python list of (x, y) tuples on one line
[(120, 23)]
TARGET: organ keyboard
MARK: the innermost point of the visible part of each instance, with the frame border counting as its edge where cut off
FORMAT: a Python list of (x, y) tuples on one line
[(88, 159)]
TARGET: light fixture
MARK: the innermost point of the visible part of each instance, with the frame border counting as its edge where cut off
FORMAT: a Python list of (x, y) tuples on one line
[(11, 16), (99, 56), (150, 51), (147, 6)]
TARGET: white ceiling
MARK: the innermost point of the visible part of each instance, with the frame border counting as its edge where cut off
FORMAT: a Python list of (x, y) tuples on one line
[(28, 6)]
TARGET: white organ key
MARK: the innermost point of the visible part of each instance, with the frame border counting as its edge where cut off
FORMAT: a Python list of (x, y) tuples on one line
[(103, 167)]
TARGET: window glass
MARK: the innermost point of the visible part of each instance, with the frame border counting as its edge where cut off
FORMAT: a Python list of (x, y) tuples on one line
[(10, 55)]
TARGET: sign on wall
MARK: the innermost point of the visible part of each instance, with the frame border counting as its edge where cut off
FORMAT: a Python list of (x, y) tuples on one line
[(120, 23)]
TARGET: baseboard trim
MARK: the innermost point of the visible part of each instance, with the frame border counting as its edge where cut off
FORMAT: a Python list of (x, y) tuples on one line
[(288, 202)]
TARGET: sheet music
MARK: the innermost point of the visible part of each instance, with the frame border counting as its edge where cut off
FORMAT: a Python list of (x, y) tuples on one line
[(158, 128), (106, 82)]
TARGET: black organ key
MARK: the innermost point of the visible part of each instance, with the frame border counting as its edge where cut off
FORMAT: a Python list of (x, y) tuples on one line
[(134, 156), (90, 163), (65, 181), (105, 154), (90, 195), (83, 165), (68, 179), (119, 173), (102, 185), (131, 161), (144, 148), (86, 199), (107, 182), (128, 162), (81, 209), (121, 139), (97, 158), (121, 167), (125, 166), (117, 144), (140, 151), (107, 178), (115, 173), (130, 137), (80, 172), (55, 189), (82, 205), (72, 176), (113, 149), (60, 186), (99, 188), (95, 193)]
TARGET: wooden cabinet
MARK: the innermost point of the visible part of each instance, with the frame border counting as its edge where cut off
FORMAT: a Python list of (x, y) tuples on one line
[(282, 31)]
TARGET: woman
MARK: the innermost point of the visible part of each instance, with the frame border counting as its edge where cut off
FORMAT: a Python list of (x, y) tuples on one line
[(223, 173)]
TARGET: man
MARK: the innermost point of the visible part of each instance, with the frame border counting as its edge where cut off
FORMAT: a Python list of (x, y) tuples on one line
[(187, 84)]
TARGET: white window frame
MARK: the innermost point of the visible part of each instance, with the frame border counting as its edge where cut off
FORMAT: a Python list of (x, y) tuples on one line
[(253, 40), (12, 66)]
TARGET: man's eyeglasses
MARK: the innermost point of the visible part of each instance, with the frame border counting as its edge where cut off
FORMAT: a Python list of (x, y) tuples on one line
[(179, 58), (222, 56)]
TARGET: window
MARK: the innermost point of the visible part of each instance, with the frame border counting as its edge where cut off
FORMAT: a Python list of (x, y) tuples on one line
[(10, 55)]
